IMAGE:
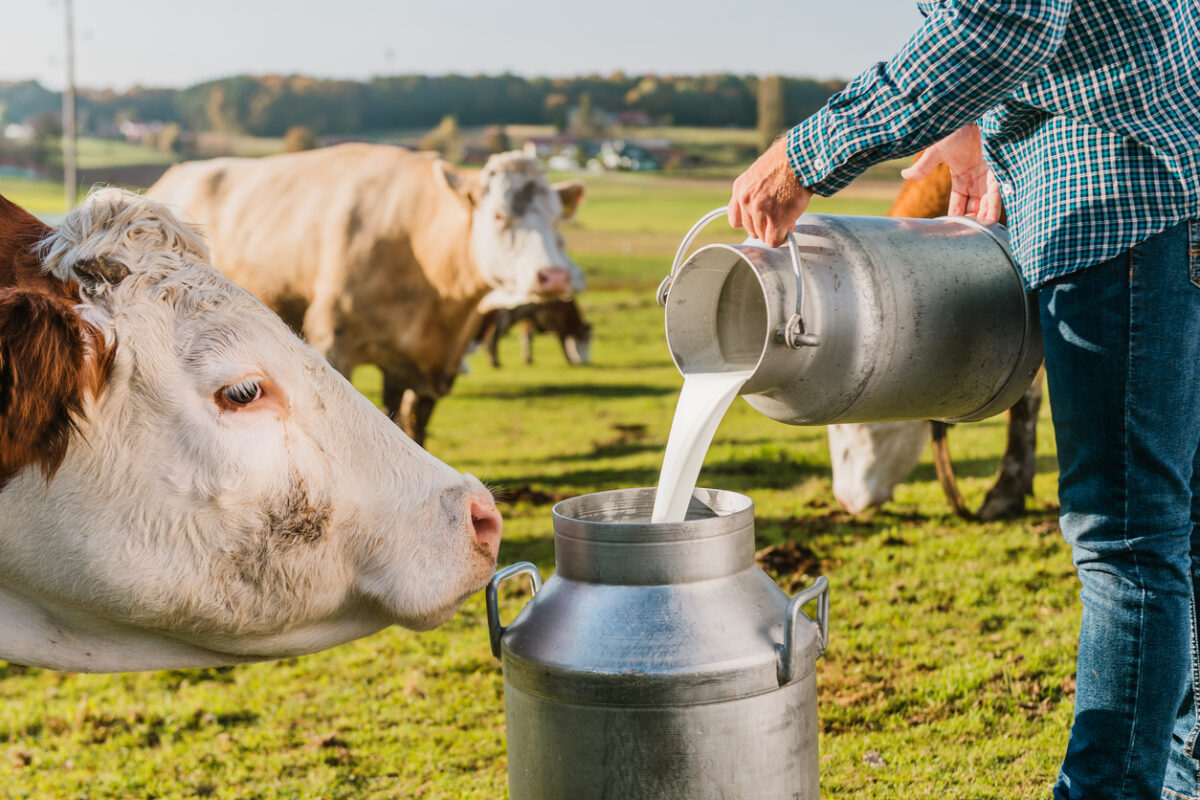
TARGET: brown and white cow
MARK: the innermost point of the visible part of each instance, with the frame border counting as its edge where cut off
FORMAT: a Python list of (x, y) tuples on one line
[(183, 481), (381, 255), (563, 318)]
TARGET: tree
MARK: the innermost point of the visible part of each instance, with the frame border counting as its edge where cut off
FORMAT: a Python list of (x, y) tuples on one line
[(298, 138), (586, 122), (555, 107), (495, 140), (772, 116), (167, 139), (443, 138)]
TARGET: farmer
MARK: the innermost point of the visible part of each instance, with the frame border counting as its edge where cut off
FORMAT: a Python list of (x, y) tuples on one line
[(1084, 116)]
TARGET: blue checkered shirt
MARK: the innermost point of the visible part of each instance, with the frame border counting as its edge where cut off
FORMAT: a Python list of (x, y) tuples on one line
[(1090, 113)]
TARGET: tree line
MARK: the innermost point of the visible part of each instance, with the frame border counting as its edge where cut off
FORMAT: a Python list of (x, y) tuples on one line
[(271, 105)]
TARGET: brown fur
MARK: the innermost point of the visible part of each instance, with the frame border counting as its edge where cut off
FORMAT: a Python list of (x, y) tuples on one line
[(927, 198), (46, 364)]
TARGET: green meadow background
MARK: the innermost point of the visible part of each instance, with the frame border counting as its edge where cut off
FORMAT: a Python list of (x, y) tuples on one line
[(950, 666)]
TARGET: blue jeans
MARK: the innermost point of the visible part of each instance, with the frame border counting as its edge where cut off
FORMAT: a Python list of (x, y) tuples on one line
[(1122, 346)]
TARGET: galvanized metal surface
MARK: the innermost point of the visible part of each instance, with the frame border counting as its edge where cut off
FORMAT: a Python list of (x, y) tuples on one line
[(904, 319), (659, 661)]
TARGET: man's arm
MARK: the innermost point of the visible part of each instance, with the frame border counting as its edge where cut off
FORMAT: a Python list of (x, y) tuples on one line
[(966, 57)]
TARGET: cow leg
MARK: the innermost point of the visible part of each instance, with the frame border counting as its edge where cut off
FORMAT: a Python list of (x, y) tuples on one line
[(527, 341), (1014, 481), (414, 414), (491, 339), (400, 402)]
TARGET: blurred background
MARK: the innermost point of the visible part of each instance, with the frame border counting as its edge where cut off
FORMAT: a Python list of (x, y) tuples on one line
[(650, 86)]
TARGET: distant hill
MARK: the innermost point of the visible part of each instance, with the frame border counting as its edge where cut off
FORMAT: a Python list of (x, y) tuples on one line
[(269, 105)]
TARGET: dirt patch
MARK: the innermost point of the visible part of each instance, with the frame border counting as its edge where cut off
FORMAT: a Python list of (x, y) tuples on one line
[(524, 493), (790, 560), (625, 438)]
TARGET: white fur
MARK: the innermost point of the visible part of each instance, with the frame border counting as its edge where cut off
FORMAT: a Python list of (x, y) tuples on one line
[(153, 546), (869, 459), (512, 240)]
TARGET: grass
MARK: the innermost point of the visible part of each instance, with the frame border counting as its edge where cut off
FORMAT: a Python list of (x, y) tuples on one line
[(951, 661)]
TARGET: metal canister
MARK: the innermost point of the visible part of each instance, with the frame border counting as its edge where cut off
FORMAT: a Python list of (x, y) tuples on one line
[(859, 319), (659, 661)]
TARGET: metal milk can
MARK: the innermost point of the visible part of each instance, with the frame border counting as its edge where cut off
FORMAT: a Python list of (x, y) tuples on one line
[(659, 661), (859, 319)]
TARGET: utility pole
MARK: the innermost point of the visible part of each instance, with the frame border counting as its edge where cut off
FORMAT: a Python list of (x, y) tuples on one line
[(70, 183)]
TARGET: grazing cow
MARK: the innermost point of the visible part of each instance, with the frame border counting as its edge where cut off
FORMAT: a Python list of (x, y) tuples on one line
[(560, 317), (870, 459), (184, 482), (380, 255)]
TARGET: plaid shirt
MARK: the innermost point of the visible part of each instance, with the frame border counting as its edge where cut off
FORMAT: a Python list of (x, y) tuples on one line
[(1090, 113)]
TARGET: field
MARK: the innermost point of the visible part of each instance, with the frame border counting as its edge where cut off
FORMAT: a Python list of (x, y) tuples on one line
[(949, 671)]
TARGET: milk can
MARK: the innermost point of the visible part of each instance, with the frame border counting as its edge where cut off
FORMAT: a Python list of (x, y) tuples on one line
[(659, 661), (859, 319)]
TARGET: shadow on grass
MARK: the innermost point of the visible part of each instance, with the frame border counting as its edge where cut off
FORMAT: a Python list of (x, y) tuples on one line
[(601, 391), (977, 468), (538, 549)]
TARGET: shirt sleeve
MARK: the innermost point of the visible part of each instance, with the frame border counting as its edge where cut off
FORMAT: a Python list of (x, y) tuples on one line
[(966, 56)]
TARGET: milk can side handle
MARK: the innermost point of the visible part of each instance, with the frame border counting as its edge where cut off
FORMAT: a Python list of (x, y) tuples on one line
[(495, 629), (789, 663)]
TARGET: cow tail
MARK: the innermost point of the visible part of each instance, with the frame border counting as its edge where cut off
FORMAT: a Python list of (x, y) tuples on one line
[(945, 470)]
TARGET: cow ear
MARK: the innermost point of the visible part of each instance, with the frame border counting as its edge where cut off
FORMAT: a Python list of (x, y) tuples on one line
[(99, 270), (465, 186), (571, 194), (43, 374)]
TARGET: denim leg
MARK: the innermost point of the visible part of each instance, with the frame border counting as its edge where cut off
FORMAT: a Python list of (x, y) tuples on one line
[(1183, 768), (1122, 346)]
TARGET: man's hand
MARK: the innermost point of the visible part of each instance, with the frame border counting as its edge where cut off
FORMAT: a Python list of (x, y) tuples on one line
[(767, 199), (974, 191)]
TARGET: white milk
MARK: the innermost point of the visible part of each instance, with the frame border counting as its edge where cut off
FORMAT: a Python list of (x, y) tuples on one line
[(703, 400)]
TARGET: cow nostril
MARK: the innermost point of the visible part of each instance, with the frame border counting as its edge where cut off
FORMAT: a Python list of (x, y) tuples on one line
[(486, 521), (554, 279)]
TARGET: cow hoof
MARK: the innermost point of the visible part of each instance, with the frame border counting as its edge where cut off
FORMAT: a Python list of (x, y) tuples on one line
[(994, 508)]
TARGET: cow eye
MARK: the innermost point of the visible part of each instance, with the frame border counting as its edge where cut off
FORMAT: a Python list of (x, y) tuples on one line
[(242, 393)]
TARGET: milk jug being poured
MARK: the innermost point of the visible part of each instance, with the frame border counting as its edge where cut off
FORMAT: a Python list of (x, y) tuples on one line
[(858, 319)]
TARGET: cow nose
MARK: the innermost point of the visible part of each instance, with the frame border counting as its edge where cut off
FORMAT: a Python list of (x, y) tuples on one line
[(553, 280), (487, 523)]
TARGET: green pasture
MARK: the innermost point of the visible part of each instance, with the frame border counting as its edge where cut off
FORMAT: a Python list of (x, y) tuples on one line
[(950, 666)]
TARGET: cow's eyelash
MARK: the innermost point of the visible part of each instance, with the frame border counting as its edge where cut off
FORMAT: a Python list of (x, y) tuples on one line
[(242, 393)]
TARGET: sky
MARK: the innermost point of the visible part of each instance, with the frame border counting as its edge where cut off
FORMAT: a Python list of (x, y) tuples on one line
[(170, 43)]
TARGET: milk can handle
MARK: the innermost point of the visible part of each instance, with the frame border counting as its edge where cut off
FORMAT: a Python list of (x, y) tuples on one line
[(791, 332), (495, 629), (789, 665)]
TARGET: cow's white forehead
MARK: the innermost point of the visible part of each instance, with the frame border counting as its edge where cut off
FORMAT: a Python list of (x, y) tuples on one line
[(516, 184), (139, 233)]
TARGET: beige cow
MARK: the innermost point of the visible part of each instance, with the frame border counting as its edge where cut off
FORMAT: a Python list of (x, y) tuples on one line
[(381, 255)]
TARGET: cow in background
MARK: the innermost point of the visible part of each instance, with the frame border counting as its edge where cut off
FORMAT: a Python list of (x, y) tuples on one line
[(380, 255), (869, 459), (560, 317), (184, 482)]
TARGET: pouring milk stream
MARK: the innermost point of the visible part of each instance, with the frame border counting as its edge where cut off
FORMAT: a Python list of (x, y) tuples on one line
[(703, 400)]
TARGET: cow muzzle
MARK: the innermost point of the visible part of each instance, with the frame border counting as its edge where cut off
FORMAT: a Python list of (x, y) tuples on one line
[(553, 281), (488, 524)]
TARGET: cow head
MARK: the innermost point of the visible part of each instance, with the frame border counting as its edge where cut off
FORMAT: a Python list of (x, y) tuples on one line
[(870, 458), (514, 239), (207, 489)]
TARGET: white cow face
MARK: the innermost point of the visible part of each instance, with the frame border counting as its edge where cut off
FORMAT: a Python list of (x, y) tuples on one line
[(228, 496), (514, 237)]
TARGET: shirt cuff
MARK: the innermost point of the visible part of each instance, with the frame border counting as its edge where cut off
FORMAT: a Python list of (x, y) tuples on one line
[(809, 158)]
